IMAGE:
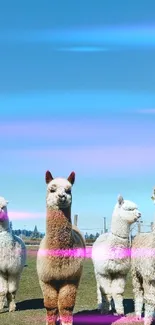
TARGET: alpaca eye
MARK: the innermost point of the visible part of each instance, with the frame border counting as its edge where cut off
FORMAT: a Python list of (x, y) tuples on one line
[(68, 191), (52, 190)]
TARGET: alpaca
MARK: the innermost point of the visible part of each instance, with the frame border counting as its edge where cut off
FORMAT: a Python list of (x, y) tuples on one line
[(59, 269), (143, 273), (12, 260), (111, 257), (153, 195)]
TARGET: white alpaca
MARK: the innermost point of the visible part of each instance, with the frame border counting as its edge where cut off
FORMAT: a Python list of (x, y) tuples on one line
[(143, 273), (111, 257), (12, 260)]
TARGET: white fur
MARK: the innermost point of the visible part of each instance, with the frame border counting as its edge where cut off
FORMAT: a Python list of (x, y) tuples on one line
[(57, 193), (12, 259), (110, 266), (143, 273)]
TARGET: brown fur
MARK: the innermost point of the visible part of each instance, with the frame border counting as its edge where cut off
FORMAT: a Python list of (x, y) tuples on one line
[(59, 276)]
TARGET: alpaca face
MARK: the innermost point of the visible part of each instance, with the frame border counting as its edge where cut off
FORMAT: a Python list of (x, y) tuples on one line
[(128, 211), (3, 209), (59, 194)]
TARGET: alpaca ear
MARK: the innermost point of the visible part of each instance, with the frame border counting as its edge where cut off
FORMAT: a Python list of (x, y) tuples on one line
[(153, 196), (120, 200), (48, 177), (71, 178), (7, 202)]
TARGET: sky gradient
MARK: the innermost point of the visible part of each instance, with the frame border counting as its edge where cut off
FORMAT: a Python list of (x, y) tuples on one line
[(77, 93)]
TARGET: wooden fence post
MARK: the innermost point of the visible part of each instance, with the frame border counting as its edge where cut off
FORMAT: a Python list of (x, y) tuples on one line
[(75, 219)]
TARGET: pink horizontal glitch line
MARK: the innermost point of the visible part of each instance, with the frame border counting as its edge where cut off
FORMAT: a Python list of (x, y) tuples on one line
[(75, 252), (87, 253), (115, 253), (106, 319), (96, 319)]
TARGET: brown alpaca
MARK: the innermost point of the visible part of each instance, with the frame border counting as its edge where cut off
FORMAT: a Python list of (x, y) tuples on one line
[(59, 275)]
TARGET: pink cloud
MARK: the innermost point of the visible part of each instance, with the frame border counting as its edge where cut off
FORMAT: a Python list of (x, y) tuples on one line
[(19, 215), (110, 157), (116, 160), (57, 129), (147, 111)]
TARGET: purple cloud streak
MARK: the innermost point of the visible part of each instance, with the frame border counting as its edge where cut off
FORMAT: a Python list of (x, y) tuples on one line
[(101, 160), (79, 132)]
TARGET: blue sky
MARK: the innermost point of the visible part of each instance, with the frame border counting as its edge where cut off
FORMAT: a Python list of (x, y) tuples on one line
[(77, 93)]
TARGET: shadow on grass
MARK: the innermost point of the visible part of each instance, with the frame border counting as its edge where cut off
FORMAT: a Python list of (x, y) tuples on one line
[(30, 304), (84, 317), (128, 306), (94, 317)]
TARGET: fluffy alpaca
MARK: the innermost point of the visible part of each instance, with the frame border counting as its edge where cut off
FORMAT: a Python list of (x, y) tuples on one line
[(153, 195), (12, 260), (143, 273), (111, 257), (59, 275)]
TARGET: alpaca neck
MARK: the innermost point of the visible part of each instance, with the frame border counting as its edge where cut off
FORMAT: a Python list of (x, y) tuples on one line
[(120, 227), (4, 225), (59, 228)]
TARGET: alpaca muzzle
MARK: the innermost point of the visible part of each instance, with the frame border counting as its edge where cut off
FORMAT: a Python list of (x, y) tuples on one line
[(62, 198), (138, 216), (3, 215)]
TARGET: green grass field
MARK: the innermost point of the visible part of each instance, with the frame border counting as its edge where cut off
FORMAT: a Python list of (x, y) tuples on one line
[(30, 310)]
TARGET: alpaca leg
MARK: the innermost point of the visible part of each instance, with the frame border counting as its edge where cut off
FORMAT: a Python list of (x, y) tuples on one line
[(11, 301), (106, 304), (66, 302), (118, 286), (6, 303), (149, 313), (138, 293), (99, 293), (149, 296), (99, 297), (3, 290), (50, 295), (104, 293), (13, 284)]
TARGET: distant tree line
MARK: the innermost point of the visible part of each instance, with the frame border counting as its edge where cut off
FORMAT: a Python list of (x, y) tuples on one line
[(91, 237), (35, 234)]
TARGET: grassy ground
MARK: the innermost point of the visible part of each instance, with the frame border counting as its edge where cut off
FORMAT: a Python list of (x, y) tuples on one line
[(30, 310)]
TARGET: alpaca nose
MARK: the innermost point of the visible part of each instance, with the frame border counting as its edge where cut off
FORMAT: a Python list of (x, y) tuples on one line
[(61, 196), (139, 214)]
